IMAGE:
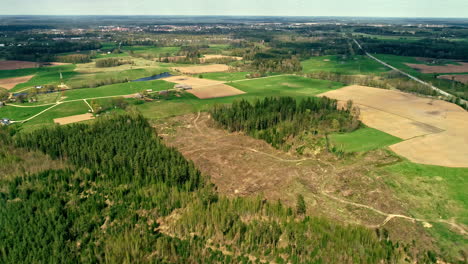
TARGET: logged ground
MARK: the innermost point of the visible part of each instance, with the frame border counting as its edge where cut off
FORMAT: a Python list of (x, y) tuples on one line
[(202, 69), (434, 130), (10, 83), (449, 68), (340, 189)]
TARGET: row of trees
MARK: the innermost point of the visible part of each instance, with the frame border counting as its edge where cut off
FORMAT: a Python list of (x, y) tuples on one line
[(112, 62)]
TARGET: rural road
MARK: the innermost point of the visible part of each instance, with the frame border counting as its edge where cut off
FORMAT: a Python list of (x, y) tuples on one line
[(404, 73)]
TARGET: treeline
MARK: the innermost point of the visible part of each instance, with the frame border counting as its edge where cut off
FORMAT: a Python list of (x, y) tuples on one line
[(74, 58), (45, 51), (112, 62), (276, 120), (271, 65), (394, 82), (430, 48)]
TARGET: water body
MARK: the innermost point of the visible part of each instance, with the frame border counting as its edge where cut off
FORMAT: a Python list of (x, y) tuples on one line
[(154, 77)]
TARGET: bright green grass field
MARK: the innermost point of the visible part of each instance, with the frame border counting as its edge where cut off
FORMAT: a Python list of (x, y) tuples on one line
[(19, 113), (225, 76), (433, 193), (62, 110), (354, 65), (363, 139), (117, 89)]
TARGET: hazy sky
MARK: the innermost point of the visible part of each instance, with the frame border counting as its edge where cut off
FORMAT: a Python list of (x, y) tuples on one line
[(385, 8)]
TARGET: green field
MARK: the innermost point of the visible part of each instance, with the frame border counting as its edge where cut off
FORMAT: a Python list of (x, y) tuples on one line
[(20, 113), (224, 76), (335, 63), (363, 139), (155, 51), (117, 89), (433, 192), (62, 110)]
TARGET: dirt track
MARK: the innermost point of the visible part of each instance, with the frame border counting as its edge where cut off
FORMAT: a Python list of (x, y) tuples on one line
[(434, 130)]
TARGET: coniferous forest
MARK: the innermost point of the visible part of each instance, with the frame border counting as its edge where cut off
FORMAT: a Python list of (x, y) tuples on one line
[(122, 196), (275, 120)]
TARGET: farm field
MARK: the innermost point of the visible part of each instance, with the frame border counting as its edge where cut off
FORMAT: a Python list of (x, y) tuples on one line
[(117, 89), (10, 83), (13, 65), (432, 129), (73, 119), (334, 63), (463, 78), (225, 76), (461, 67), (363, 139)]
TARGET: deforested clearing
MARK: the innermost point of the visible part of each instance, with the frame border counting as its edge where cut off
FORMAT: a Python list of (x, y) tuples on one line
[(202, 69), (73, 119), (433, 130), (10, 83), (449, 68)]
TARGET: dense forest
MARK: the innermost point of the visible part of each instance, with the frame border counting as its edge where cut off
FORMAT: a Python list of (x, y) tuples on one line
[(429, 48), (277, 120), (127, 198)]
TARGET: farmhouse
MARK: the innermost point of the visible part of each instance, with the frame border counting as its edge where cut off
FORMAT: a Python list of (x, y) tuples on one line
[(5, 121), (181, 86)]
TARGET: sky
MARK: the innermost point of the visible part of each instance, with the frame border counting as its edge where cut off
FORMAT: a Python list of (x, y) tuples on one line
[(367, 8)]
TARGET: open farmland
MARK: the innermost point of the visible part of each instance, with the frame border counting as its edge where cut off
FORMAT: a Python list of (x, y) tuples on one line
[(10, 83), (202, 69), (463, 78), (14, 65), (449, 68), (204, 88), (433, 130)]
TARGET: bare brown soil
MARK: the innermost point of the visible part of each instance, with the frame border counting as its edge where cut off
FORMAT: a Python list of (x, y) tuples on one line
[(13, 65), (242, 166), (213, 91), (202, 69), (10, 83), (449, 68), (459, 78), (433, 129), (73, 119), (205, 88)]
